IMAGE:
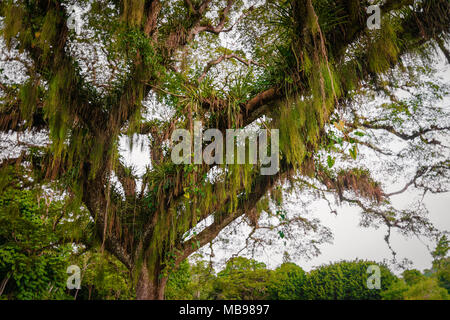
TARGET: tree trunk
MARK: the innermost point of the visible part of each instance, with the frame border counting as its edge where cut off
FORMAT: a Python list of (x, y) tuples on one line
[(150, 286)]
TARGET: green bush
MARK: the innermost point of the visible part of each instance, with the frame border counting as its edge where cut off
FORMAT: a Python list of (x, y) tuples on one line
[(32, 266), (346, 280), (242, 279), (427, 289), (286, 282)]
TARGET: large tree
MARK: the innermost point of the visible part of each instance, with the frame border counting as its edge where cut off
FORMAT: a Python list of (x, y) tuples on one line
[(297, 66)]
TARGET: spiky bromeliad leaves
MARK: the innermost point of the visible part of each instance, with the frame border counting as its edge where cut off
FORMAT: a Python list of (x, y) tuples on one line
[(309, 60)]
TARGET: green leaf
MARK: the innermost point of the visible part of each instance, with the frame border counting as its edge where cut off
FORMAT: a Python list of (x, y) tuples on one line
[(354, 152), (331, 161)]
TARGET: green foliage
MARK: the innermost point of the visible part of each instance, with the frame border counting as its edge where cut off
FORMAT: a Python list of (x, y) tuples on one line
[(191, 281), (178, 283), (32, 261), (286, 282), (441, 249), (427, 289), (412, 277), (202, 280), (103, 277), (441, 263), (443, 274), (37, 244), (396, 291), (431, 285), (346, 280), (242, 279)]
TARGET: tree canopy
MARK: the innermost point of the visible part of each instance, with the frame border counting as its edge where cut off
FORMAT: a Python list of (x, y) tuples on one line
[(310, 68)]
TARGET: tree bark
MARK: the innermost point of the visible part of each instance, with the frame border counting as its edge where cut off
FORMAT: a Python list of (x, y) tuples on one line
[(150, 286)]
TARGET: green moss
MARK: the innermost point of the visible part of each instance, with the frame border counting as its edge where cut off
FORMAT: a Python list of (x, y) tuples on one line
[(133, 11), (49, 31), (14, 16), (29, 99), (383, 49)]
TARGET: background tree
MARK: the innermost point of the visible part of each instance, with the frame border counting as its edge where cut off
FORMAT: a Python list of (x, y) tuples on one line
[(346, 280), (443, 274), (35, 238), (287, 282), (426, 290), (179, 284), (429, 285), (103, 277), (241, 279), (302, 66), (440, 253), (412, 277)]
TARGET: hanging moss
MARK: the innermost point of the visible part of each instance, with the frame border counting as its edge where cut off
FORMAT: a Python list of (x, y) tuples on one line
[(29, 98), (49, 32), (357, 180), (133, 11), (14, 16), (383, 48)]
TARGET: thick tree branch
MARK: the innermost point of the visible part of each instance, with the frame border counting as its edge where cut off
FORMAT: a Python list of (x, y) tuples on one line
[(219, 27), (263, 185)]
